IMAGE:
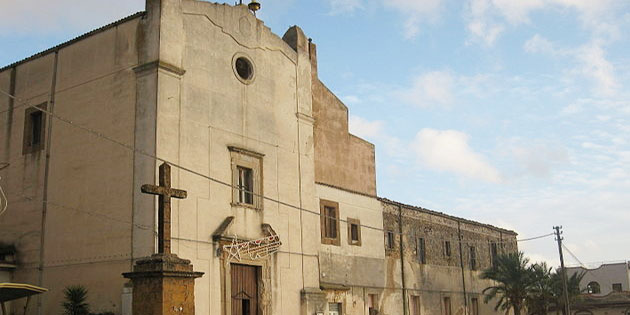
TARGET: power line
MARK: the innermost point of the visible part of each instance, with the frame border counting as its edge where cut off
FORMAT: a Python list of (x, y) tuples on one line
[(573, 255), (212, 179)]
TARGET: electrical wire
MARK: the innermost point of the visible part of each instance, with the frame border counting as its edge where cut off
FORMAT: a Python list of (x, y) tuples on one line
[(212, 179), (3, 199), (573, 255)]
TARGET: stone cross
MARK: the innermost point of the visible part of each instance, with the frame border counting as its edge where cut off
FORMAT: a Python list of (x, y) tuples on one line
[(165, 192)]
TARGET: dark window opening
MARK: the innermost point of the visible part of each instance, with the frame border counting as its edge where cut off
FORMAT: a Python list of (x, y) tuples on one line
[(421, 251), (447, 248), (354, 232), (245, 185), (447, 306), (473, 258), (494, 253), (390, 240), (36, 128), (34, 125), (617, 287), (331, 221), (244, 68), (593, 288)]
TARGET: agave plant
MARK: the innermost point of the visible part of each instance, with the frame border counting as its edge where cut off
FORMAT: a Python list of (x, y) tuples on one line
[(75, 301)]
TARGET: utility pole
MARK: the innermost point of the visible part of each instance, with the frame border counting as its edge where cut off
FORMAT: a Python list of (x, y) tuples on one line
[(564, 271)]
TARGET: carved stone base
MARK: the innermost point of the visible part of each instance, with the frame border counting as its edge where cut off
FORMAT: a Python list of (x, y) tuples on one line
[(163, 284)]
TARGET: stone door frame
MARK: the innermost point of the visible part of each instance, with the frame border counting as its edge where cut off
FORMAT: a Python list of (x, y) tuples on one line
[(264, 283)]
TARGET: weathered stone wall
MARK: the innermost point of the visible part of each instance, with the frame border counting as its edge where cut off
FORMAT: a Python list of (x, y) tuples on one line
[(441, 275), (87, 223)]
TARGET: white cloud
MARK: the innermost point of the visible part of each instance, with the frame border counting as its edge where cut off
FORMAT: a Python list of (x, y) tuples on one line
[(539, 44), (344, 6), (46, 17), (430, 89), (364, 128), (448, 150), (598, 68), (416, 11), (517, 12)]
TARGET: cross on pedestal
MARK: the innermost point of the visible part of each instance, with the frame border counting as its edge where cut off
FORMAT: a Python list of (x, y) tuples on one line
[(165, 193)]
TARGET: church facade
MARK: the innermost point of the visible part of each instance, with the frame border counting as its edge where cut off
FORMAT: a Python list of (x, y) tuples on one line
[(280, 210)]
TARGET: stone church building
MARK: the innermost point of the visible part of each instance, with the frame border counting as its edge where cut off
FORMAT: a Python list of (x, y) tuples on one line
[(281, 212)]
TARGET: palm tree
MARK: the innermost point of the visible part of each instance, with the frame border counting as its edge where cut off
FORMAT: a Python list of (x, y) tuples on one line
[(542, 292), (513, 282), (573, 285), (75, 297)]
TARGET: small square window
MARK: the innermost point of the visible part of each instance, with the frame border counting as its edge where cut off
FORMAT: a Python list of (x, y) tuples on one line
[(617, 287), (34, 129), (389, 240), (329, 211), (246, 178), (354, 232)]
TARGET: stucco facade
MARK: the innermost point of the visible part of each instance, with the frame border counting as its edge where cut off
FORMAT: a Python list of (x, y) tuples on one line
[(607, 278), (166, 85)]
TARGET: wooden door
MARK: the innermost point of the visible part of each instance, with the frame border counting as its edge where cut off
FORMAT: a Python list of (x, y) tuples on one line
[(244, 289)]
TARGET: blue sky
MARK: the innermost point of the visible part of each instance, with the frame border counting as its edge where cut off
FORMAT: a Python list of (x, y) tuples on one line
[(513, 113)]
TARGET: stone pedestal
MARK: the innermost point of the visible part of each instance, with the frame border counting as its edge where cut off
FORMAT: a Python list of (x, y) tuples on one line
[(163, 284)]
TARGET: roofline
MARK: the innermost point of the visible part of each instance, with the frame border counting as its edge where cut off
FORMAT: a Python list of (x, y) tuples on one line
[(444, 215), (74, 40)]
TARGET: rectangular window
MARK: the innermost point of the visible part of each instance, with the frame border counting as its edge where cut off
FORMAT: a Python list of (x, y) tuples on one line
[(473, 258), (414, 306), (474, 305), (354, 232), (246, 178), (372, 304), (34, 129), (493, 253), (329, 222), (389, 241), (447, 305), (447, 248), (616, 287), (245, 185), (334, 309), (421, 251)]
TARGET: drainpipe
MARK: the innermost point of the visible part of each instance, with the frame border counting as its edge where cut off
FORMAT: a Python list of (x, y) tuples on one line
[(42, 241), (461, 263), (402, 262)]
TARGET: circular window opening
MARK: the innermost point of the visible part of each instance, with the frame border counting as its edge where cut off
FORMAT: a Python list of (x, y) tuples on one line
[(244, 68)]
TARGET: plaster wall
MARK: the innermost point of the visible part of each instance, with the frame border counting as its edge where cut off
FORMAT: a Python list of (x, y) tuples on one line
[(346, 264), (203, 111), (341, 159), (605, 275), (89, 180)]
